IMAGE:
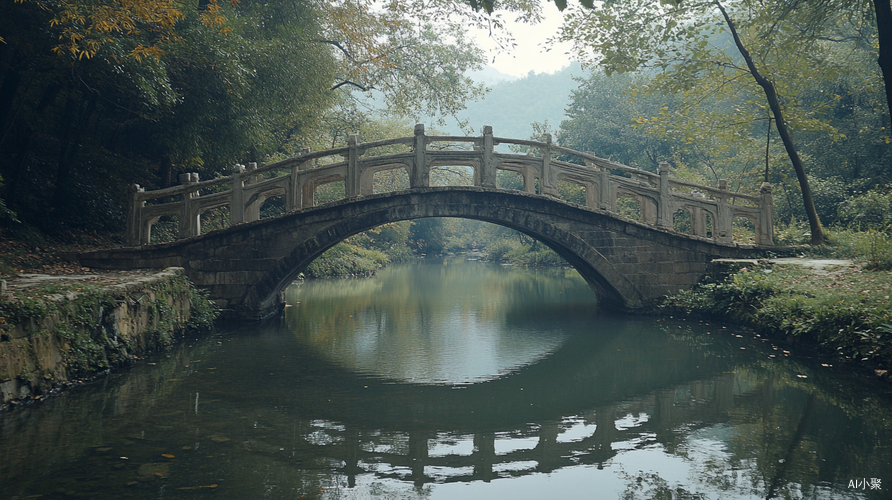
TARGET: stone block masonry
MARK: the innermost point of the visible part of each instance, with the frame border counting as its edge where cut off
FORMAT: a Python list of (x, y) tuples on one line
[(57, 330)]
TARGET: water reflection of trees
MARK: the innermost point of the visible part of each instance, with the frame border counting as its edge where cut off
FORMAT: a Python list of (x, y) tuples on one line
[(426, 307)]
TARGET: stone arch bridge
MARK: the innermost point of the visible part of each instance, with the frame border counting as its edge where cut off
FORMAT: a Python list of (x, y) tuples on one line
[(629, 262)]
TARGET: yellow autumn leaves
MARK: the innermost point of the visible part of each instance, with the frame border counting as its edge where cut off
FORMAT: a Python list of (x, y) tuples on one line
[(88, 26)]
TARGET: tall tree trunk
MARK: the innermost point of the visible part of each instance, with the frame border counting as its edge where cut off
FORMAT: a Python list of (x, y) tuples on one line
[(165, 172), (883, 9), (814, 222)]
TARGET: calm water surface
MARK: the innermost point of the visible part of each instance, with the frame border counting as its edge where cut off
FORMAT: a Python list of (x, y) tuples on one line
[(459, 380)]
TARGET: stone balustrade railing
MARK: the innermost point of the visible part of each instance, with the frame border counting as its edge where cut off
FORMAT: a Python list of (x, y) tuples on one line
[(712, 209)]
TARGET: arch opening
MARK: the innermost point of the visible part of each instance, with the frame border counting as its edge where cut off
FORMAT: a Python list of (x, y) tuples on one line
[(214, 219), (271, 206), (327, 192), (574, 192), (609, 284), (163, 229), (391, 179), (681, 221), (453, 175), (628, 206), (509, 179), (744, 229)]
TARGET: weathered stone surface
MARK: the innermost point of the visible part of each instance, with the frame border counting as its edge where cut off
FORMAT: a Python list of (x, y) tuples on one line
[(629, 264), (39, 354)]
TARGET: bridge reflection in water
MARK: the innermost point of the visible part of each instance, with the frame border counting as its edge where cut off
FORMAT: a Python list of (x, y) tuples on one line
[(616, 390), (591, 438)]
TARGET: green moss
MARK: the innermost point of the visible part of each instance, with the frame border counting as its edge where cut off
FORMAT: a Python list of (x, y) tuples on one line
[(202, 311), (84, 329)]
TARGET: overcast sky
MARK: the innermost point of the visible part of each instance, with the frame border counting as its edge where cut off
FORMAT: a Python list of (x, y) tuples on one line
[(530, 54)]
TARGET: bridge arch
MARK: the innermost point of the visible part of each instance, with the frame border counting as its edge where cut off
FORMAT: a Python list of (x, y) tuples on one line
[(531, 215)]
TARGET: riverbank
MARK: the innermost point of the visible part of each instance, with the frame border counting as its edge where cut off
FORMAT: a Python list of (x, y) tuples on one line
[(56, 330), (838, 309)]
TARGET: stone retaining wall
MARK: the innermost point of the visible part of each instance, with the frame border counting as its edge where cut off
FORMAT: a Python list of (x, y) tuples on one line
[(56, 330)]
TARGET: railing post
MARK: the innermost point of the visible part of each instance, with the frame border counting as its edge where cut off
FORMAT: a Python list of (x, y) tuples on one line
[(307, 189), (420, 177), (134, 216), (237, 203), (295, 190), (698, 216), (484, 455), (664, 218), (488, 169), (190, 219), (529, 179), (252, 211), (351, 183), (606, 201), (547, 186), (765, 234), (724, 224)]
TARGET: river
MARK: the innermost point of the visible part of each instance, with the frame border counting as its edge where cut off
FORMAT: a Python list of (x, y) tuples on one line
[(455, 379)]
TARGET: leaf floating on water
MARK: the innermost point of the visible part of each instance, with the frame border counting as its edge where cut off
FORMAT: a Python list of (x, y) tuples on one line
[(153, 470), (167, 455), (197, 487)]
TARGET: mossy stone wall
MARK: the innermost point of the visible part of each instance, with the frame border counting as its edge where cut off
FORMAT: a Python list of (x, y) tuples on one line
[(57, 335)]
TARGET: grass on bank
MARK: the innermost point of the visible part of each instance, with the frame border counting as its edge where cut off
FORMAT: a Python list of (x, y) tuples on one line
[(345, 259), (846, 310)]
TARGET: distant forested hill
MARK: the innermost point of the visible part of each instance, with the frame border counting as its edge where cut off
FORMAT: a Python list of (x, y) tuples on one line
[(513, 105)]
